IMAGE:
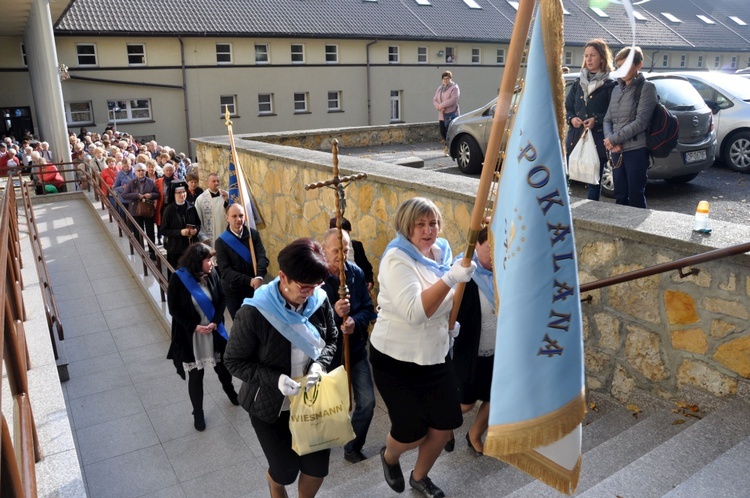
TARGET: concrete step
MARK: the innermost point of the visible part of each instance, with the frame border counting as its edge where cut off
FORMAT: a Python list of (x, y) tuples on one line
[(676, 460), (731, 467), (617, 452)]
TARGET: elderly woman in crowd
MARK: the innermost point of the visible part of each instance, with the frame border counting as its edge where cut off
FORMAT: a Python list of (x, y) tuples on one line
[(124, 176), (286, 330), (410, 342), (196, 303), (142, 190)]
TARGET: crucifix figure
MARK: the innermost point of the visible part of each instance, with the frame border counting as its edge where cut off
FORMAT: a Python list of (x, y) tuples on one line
[(339, 184)]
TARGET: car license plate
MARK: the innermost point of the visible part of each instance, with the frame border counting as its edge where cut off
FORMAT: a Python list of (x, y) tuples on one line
[(695, 156)]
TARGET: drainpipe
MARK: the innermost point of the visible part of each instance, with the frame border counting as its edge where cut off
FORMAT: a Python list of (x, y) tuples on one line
[(369, 112), (185, 97), (653, 60)]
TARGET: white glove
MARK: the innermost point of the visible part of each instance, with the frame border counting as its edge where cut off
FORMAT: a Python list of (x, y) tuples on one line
[(453, 333), (458, 273), (313, 375), (288, 386)]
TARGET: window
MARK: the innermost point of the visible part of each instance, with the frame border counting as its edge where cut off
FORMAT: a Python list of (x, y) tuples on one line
[(261, 53), (395, 106), (23, 56), (733, 64), (450, 55), (665, 60), (683, 60), (332, 54), (638, 15), (228, 103), (125, 111), (300, 102), (568, 58), (86, 54), (298, 53), (717, 62), (700, 61), (705, 19), (513, 4), (671, 17), (392, 55), (472, 4), (423, 2), (223, 53), (501, 56), (265, 103), (79, 113), (422, 55), (599, 12), (475, 56), (136, 54), (737, 20), (334, 101)]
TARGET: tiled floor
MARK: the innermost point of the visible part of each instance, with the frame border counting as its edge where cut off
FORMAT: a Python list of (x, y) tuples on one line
[(130, 412)]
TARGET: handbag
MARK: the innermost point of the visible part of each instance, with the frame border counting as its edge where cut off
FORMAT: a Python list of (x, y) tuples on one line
[(145, 208), (583, 163), (319, 418)]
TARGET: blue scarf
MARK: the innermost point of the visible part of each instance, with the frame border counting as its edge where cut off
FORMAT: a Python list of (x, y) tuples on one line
[(201, 298), (295, 327), (236, 244), (439, 268), (483, 278)]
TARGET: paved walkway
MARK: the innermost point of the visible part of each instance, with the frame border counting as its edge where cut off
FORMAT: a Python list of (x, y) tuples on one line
[(130, 412)]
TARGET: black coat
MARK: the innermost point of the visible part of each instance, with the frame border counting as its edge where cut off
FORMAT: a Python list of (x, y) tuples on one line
[(258, 355), (236, 273), (595, 107), (185, 318), (466, 347), (135, 188), (171, 225), (360, 258)]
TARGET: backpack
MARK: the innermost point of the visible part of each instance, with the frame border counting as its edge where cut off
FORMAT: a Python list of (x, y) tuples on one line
[(663, 131)]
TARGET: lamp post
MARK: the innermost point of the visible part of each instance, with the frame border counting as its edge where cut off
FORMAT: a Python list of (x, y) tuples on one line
[(115, 109)]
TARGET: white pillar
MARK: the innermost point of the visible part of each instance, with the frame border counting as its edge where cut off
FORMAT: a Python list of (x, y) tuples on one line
[(41, 54)]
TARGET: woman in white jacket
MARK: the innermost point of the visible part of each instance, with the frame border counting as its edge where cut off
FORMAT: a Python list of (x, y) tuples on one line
[(410, 343)]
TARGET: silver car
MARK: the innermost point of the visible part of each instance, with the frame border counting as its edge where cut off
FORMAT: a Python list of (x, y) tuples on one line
[(468, 134), (728, 96)]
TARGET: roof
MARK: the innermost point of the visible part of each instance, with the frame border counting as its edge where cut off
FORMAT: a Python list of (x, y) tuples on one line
[(406, 20)]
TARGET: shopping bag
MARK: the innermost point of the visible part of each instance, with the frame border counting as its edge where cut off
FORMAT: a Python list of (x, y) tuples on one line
[(583, 163), (319, 419)]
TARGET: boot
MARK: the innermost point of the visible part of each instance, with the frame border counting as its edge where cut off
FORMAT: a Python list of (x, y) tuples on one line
[(198, 421), (232, 395)]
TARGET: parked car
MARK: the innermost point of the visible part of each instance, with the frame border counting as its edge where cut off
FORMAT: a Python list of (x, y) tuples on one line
[(728, 96), (468, 134)]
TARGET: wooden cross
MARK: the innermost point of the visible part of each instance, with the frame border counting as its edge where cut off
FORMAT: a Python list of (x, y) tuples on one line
[(339, 184)]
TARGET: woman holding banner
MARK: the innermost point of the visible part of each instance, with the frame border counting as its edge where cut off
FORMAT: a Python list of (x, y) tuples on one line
[(410, 342), (196, 303), (285, 330)]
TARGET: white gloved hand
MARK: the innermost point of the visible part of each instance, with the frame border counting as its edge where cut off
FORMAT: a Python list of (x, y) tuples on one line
[(313, 375), (459, 273), (453, 333), (288, 386)]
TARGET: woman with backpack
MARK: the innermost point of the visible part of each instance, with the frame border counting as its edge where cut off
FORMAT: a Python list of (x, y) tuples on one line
[(625, 128), (587, 103)]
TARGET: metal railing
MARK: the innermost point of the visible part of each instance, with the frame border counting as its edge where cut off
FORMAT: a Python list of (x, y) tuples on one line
[(19, 454)]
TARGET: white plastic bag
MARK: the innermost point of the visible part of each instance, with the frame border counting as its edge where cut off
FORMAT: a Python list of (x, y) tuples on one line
[(583, 163)]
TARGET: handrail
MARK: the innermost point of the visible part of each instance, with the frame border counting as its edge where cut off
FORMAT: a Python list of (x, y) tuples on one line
[(677, 264), (17, 469)]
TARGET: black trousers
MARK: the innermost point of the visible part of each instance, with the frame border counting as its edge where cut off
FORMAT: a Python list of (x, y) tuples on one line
[(147, 225)]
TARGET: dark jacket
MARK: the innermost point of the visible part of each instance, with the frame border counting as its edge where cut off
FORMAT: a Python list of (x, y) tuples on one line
[(360, 258), (134, 189), (173, 222), (185, 318), (236, 273), (595, 107), (627, 120), (258, 355), (361, 310), (466, 347)]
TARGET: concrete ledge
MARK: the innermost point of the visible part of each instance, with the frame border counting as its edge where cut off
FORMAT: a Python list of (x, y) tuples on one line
[(411, 162)]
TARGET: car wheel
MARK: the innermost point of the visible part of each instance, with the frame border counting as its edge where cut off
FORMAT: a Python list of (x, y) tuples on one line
[(608, 181), (682, 178), (468, 155), (737, 152)]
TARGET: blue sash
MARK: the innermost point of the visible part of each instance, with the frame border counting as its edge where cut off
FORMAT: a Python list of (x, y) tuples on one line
[(483, 278), (439, 268), (237, 245), (201, 298), (296, 328)]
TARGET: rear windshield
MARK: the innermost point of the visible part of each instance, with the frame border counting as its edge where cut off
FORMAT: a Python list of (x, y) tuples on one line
[(678, 94)]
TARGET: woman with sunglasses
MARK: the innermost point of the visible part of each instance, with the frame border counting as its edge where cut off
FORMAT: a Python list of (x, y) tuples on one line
[(285, 330)]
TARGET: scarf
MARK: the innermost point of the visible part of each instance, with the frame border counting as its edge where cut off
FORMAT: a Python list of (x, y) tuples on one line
[(439, 268), (201, 298), (590, 82), (295, 327), (482, 277), (236, 245)]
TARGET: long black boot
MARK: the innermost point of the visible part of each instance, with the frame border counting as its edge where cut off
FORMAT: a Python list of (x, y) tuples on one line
[(195, 390), (226, 383)]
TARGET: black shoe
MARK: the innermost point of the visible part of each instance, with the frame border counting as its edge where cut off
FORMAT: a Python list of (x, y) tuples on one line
[(198, 421), (450, 445), (152, 256), (393, 475), (355, 456), (426, 487), (232, 395), (474, 451)]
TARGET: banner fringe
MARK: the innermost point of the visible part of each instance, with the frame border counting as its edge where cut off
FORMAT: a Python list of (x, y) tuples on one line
[(553, 475), (520, 437)]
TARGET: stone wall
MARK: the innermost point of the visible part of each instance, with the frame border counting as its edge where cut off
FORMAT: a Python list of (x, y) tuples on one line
[(659, 333)]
